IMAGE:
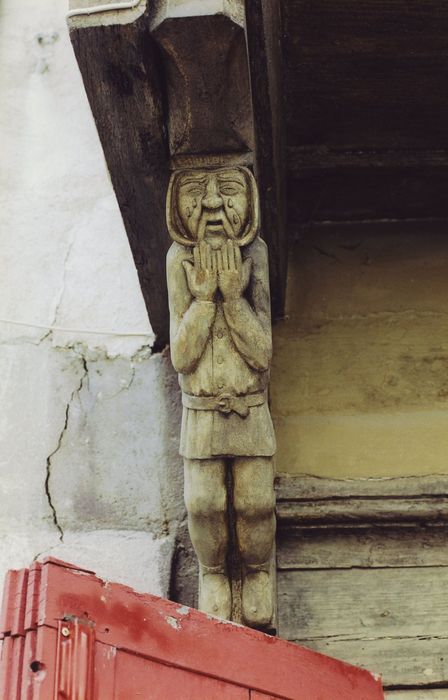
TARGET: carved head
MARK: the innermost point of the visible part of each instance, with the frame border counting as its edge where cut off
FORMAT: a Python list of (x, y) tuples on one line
[(212, 204)]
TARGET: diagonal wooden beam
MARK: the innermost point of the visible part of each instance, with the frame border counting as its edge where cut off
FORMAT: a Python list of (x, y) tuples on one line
[(122, 75)]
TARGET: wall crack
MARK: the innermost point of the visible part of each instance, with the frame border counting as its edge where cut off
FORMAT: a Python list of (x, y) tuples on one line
[(49, 461)]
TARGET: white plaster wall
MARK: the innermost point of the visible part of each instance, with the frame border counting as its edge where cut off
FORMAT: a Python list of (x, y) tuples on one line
[(89, 469)]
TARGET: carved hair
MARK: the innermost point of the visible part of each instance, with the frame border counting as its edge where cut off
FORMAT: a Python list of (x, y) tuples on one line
[(175, 226)]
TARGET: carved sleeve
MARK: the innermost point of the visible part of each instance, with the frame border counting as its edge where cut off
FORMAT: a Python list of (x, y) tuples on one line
[(249, 319), (190, 320)]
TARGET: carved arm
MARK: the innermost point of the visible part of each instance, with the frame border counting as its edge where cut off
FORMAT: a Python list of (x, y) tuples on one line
[(249, 319), (191, 319)]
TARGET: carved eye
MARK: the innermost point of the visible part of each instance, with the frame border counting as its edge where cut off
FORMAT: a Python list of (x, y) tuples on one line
[(229, 190), (195, 191)]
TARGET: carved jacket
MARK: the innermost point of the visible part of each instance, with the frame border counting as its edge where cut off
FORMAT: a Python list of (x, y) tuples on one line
[(222, 348)]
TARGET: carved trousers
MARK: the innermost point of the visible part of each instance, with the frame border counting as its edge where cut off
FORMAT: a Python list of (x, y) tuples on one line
[(252, 502)]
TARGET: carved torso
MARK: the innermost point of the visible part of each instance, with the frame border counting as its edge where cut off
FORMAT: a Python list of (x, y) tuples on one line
[(223, 368)]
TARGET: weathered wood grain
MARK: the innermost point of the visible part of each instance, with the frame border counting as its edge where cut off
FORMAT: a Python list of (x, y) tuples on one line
[(264, 40), (441, 694), (400, 602), (366, 74), (209, 107), (393, 621), (394, 26), (120, 68), (311, 500), (306, 487), (369, 193), (413, 663), (362, 510), (371, 102), (364, 86), (363, 547), (304, 161)]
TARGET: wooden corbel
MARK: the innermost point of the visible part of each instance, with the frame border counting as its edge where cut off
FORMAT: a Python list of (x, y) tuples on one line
[(180, 83)]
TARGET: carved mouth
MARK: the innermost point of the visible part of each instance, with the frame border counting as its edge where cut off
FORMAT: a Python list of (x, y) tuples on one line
[(214, 222)]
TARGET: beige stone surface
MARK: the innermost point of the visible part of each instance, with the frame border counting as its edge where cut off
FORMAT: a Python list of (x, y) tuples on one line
[(360, 368), (89, 467)]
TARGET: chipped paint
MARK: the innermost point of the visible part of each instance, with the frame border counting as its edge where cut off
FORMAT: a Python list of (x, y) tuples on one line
[(183, 610), (173, 622)]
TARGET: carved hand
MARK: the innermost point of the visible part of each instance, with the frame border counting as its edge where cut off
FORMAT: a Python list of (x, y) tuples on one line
[(233, 273), (201, 274)]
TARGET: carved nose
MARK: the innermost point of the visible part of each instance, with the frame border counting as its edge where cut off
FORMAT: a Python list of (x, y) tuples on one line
[(212, 199), (214, 202)]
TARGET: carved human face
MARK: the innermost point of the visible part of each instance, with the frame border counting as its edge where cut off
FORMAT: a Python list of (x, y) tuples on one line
[(214, 205)]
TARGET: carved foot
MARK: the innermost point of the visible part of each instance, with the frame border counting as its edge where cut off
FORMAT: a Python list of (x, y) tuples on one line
[(257, 599), (215, 597)]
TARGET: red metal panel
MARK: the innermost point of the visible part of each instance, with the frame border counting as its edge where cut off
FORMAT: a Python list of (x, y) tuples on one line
[(68, 635), (182, 637), (104, 676), (29, 660), (140, 679), (39, 672), (14, 603), (74, 660), (5, 664), (32, 597), (11, 668)]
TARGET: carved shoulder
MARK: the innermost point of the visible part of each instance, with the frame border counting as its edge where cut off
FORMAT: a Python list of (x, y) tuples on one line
[(258, 251), (176, 254)]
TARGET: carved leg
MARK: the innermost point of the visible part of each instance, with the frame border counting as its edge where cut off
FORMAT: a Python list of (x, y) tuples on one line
[(206, 501), (254, 504)]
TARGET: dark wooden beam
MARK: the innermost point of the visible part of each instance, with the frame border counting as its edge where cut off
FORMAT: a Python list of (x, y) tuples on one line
[(206, 77), (365, 108), (264, 37), (122, 75), (367, 75), (303, 161)]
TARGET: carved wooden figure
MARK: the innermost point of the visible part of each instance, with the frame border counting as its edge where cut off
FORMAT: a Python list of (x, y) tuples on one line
[(220, 329)]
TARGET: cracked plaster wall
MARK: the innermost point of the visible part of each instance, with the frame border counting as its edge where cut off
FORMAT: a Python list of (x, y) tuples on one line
[(89, 469)]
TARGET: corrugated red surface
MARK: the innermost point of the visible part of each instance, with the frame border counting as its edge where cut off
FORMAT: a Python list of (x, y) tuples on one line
[(70, 636)]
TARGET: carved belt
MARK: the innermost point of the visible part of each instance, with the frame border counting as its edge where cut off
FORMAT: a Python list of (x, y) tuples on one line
[(225, 403)]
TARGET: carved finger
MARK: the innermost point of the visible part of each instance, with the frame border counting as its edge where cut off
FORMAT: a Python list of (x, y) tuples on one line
[(218, 258), (208, 256), (203, 253), (225, 258), (188, 267), (238, 259), (231, 255), (197, 262), (227, 227), (201, 228)]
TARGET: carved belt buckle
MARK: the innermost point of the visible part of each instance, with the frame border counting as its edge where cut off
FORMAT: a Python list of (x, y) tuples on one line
[(224, 403)]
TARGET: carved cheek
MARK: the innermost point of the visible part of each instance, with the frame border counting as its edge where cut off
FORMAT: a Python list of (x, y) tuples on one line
[(238, 214), (187, 212)]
